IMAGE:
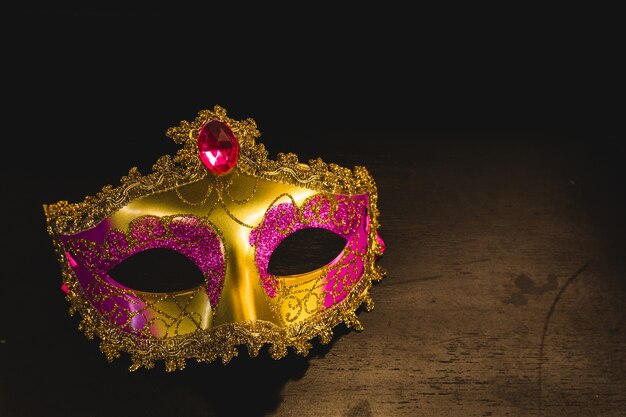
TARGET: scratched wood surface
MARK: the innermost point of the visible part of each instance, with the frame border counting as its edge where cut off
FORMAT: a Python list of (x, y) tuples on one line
[(505, 293), (504, 297)]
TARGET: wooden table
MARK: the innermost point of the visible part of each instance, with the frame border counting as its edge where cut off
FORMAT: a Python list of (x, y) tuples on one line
[(504, 296)]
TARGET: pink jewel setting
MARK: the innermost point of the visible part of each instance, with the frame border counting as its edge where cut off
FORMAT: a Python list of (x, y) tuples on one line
[(218, 147)]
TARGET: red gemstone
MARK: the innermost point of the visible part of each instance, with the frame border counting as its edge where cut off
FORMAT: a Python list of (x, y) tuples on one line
[(218, 147)]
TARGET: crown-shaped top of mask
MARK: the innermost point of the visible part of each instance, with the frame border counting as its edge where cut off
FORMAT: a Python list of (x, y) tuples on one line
[(222, 203)]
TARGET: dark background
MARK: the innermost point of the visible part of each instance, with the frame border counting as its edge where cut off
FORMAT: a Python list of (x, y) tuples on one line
[(91, 92), (98, 81)]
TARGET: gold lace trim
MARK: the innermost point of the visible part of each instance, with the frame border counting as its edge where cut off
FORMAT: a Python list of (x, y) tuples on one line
[(220, 341), (185, 167)]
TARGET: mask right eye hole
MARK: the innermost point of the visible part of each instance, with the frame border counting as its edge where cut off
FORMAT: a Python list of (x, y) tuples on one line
[(158, 270), (305, 250)]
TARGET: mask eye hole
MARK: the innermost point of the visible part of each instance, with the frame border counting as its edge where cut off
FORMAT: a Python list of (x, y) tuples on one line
[(158, 270), (305, 250)]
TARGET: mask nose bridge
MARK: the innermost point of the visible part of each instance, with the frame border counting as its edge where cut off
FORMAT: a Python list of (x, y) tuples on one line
[(242, 298)]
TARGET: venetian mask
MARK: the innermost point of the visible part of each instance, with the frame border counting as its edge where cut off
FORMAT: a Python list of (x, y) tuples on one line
[(223, 204)]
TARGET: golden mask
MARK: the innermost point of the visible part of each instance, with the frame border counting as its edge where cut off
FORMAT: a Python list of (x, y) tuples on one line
[(224, 205)]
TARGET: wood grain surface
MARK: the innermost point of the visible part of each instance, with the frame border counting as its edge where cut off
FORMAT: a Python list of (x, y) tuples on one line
[(504, 296)]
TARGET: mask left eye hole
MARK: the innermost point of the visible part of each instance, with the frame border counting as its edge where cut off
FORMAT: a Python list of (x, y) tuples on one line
[(305, 250), (158, 270)]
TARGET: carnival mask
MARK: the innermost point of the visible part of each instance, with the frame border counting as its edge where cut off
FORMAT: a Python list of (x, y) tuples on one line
[(225, 206)]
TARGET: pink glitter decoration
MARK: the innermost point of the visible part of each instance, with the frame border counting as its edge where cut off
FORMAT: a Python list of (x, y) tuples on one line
[(97, 251), (350, 221)]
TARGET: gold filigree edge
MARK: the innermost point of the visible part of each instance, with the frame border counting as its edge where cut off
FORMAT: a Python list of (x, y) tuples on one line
[(219, 341), (185, 167)]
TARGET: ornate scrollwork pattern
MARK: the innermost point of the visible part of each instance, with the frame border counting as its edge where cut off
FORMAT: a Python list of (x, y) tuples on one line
[(149, 333)]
